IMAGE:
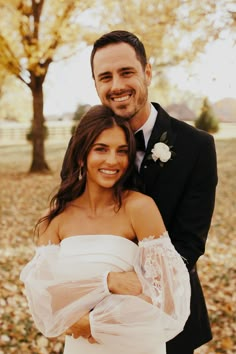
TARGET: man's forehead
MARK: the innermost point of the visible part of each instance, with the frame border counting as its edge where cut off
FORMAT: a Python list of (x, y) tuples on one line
[(116, 47), (114, 57)]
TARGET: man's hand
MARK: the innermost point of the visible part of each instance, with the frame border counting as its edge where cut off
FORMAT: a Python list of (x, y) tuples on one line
[(81, 329), (124, 283)]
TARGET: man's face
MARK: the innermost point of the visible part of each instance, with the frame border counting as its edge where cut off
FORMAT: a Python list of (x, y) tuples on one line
[(121, 82)]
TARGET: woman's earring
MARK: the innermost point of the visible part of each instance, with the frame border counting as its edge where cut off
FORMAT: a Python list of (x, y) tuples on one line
[(80, 177)]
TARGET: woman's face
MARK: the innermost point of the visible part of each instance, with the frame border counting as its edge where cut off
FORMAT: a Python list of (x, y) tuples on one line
[(108, 158)]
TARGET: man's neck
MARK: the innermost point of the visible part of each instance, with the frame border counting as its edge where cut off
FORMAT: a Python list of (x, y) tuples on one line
[(139, 119)]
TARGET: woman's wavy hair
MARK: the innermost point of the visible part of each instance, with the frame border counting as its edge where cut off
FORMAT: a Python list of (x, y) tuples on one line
[(92, 124)]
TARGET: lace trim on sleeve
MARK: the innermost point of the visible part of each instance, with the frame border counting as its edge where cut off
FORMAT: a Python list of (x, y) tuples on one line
[(161, 271), (150, 240)]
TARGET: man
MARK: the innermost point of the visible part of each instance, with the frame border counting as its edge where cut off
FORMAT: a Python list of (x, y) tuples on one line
[(181, 178)]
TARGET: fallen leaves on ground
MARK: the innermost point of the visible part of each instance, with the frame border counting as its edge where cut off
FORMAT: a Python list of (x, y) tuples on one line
[(23, 198)]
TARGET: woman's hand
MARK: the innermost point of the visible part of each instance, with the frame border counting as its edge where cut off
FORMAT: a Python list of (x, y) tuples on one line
[(81, 329)]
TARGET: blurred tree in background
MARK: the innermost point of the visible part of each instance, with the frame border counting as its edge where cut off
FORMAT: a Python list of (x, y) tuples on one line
[(172, 31), (2, 78), (33, 34), (207, 120), (81, 109), (16, 101), (36, 33)]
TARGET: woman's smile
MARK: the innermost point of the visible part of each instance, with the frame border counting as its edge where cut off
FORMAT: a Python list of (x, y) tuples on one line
[(109, 172)]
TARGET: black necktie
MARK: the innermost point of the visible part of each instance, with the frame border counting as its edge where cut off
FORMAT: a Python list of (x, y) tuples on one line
[(140, 142)]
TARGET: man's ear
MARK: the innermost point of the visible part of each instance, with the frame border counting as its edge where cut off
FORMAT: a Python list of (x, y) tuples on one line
[(148, 73)]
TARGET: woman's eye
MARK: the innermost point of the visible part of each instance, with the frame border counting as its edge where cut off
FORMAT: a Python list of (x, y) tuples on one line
[(100, 149), (123, 151)]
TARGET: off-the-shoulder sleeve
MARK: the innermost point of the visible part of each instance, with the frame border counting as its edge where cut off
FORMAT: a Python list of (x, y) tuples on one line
[(124, 320), (57, 301)]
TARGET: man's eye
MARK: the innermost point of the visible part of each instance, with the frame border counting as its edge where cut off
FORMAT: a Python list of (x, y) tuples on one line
[(105, 78), (127, 73)]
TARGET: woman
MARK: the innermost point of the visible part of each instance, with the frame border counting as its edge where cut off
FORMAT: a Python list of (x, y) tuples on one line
[(86, 237)]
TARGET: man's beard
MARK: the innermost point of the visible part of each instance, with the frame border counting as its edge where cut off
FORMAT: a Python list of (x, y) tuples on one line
[(127, 115)]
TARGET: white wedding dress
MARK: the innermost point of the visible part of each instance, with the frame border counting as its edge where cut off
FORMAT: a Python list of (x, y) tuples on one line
[(64, 282)]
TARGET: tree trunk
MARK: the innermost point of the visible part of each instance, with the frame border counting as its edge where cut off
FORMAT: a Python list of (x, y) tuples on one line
[(39, 163)]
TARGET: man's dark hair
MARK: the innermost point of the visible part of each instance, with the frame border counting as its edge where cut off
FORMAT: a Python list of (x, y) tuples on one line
[(116, 37)]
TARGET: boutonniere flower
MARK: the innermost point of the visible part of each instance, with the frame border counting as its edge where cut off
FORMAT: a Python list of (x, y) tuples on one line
[(162, 151)]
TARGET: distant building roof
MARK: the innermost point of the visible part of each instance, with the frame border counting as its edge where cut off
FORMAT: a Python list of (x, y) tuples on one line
[(180, 111)]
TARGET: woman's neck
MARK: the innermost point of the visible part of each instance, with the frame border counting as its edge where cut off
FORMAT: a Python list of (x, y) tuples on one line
[(97, 201)]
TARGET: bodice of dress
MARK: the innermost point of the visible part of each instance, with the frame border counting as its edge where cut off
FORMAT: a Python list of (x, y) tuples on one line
[(95, 254)]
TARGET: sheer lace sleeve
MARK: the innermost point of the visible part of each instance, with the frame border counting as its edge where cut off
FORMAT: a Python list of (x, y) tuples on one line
[(56, 298), (165, 280)]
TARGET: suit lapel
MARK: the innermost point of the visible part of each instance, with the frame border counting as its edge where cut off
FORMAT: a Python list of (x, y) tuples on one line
[(150, 170)]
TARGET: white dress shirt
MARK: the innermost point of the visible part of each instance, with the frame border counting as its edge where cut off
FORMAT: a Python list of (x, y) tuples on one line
[(147, 129)]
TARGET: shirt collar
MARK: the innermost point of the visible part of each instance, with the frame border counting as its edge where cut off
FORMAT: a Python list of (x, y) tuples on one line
[(149, 124)]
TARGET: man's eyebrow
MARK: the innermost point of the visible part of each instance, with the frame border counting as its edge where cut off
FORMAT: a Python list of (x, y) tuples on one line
[(126, 68), (119, 70)]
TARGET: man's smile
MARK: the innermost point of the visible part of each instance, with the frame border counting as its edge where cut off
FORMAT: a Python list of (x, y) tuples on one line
[(121, 99)]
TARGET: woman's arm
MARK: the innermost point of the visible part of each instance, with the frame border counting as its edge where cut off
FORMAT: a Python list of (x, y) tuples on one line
[(55, 302), (128, 319), (164, 283), (146, 220)]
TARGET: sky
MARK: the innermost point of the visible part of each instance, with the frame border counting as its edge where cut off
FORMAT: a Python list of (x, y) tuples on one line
[(69, 83), (214, 75)]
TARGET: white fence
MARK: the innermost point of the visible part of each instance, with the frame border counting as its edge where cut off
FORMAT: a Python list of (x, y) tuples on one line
[(60, 131), (15, 133)]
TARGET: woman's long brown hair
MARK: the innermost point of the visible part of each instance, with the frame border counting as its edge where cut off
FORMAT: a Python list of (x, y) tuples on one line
[(92, 124)]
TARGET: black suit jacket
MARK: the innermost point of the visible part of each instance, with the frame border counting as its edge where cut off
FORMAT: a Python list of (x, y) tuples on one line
[(184, 191)]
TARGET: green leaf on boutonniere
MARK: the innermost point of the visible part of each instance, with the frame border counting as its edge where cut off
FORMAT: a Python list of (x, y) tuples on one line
[(163, 138)]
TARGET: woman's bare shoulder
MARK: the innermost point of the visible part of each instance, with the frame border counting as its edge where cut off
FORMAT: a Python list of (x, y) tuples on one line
[(144, 215), (138, 200), (48, 231)]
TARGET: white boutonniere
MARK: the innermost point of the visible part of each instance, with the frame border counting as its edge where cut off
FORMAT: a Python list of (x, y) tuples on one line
[(162, 151)]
